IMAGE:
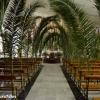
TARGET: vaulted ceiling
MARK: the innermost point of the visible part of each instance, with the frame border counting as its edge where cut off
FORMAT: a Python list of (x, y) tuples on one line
[(87, 5)]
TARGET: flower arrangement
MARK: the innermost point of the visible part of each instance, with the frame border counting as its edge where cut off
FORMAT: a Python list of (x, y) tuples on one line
[(45, 54)]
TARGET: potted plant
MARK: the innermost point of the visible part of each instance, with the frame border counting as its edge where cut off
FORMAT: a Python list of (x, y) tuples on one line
[(45, 54), (58, 54)]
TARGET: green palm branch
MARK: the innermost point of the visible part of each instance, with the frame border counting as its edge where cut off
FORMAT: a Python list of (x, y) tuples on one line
[(3, 6), (11, 22), (47, 38), (97, 49), (26, 22), (28, 12), (15, 26), (80, 29), (97, 5), (40, 31), (13, 13)]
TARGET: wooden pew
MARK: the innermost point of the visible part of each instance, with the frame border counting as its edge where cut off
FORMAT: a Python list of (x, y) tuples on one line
[(80, 79), (92, 64), (9, 86), (24, 67), (75, 69), (74, 72), (90, 86), (95, 98), (22, 62), (9, 70), (19, 75), (27, 64)]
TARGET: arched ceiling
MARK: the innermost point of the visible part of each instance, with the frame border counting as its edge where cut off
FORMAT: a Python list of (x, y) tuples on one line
[(87, 5)]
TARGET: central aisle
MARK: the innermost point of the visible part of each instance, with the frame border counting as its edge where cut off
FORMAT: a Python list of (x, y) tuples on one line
[(50, 85)]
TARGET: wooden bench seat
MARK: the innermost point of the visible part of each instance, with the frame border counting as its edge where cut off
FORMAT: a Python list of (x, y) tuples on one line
[(83, 69), (3, 99), (30, 64), (14, 87), (93, 87), (14, 70), (28, 70), (90, 86), (90, 79), (93, 64), (79, 80), (8, 86), (95, 98), (19, 73), (80, 77)]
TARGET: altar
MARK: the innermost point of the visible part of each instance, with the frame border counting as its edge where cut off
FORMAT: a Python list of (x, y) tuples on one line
[(52, 58)]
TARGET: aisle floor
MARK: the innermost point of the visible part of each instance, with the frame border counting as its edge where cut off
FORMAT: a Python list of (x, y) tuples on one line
[(50, 85)]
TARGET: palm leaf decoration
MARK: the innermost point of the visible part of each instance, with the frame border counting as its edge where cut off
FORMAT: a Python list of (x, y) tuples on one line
[(3, 6), (64, 37), (16, 23), (80, 30), (97, 5), (97, 49), (11, 22), (47, 38), (13, 13), (18, 19), (41, 30), (28, 21), (28, 13)]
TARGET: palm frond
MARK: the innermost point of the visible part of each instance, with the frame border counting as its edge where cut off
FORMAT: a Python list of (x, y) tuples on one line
[(13, 12), (11, 23), (33, 7), (47, 38), (76, 22), (28, 13), (97, 5), (42, 28)]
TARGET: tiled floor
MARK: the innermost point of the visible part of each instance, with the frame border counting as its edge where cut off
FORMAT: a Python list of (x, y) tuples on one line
[(50, 85)]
